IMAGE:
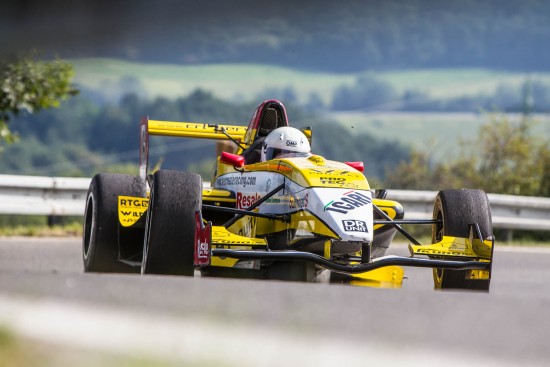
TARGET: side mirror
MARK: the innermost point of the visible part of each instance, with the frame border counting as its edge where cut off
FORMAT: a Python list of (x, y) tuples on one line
[(234, 160), (357, 165)]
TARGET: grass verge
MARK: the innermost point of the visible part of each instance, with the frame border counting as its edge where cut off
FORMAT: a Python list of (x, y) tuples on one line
[(17, 351)]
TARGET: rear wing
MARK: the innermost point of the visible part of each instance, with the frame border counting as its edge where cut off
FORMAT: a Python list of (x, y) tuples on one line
[(184, 130)]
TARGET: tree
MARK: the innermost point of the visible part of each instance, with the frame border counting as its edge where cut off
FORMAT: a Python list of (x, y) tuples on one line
[(367, 93), (28, 85), (505, 158)]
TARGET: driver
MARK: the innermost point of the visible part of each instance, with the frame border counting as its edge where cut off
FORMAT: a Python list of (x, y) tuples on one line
[(285, 142)]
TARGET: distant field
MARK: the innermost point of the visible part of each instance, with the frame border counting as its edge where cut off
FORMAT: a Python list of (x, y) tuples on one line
[(228, 81), (438, 133), (246, 81), (445, 83)]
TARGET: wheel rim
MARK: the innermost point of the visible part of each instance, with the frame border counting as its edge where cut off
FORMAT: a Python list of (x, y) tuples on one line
[(438, 228), (437, 235), (89, 225)]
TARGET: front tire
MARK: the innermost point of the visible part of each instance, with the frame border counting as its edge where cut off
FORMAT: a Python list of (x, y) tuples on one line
[(456, 209), (100, 250), (170, 224)]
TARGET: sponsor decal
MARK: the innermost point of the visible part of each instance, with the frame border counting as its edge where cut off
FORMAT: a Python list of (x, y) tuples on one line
[(237, 181), (235, 242), (333, 180), (349, 201), (133, 202), (274, 200), (439, 252), (318, 160), (131, 209), (246, 200), (353, 225), (301, 203), (291, 143), (457, 247), (331, 172), (203, 241), (203, 252), (197, 126), (282, 167)]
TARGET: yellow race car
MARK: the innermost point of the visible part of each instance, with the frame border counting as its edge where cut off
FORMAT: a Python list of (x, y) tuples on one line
[(274, 210)]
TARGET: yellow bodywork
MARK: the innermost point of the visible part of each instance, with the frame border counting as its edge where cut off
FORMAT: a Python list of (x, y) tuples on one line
[(455, 247), (386, 277), (210, 194), (195, 130), (222, 238), (313, 171)]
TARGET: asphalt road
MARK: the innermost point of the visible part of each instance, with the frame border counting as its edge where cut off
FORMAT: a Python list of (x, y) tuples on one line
[(44, 294)]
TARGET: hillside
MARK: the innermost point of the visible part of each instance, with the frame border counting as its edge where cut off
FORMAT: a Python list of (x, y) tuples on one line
[(320, 35), (97, 130), (114, 78)]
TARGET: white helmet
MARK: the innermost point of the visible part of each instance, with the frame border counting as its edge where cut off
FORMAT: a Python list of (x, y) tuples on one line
[(285, 142)]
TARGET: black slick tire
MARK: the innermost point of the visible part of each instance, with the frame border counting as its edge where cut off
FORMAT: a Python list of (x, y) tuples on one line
[(170, 224), (457, 209), (100, 227)]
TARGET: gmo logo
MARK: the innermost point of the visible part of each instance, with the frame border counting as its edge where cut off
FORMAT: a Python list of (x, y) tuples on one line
[(353, 225)]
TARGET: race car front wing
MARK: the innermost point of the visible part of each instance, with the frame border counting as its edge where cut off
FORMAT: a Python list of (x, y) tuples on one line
[(377, 263), (455, 253)]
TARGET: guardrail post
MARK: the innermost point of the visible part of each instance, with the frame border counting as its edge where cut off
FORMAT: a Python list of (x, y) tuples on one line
[(55, 220), (509, 235)]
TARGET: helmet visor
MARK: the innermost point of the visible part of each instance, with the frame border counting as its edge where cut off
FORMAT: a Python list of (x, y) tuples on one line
[(271, 153)]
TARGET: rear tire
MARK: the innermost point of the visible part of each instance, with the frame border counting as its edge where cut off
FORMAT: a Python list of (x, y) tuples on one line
[(100, 249), (457, 209), (170, 223)]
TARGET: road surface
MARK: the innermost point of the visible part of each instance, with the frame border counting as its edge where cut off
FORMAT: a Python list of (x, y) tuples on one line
[(45, 295)]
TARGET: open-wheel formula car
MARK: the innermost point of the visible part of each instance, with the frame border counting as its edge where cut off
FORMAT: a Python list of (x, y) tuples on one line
[(275, 211)]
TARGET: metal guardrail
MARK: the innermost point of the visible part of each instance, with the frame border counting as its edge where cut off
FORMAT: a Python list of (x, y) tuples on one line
[(508, 211), (61, 196), (34, 195)]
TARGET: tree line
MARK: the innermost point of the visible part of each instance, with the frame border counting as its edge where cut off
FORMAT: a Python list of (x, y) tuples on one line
[(370, 93), (336, 36), (82, 138), (355, 35)]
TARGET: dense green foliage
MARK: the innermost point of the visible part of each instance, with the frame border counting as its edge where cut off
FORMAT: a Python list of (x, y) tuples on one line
[(356, 35), (82, 138), (505, 158), (347, 35), (370, 93), (28, 85)]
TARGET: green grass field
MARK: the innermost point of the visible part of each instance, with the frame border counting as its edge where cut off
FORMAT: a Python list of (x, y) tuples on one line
[(227, 81), (245, 81), (447, 83), (437, 132)]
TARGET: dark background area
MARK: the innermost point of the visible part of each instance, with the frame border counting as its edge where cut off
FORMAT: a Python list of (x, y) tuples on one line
[(86, 136), (336, 36)]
